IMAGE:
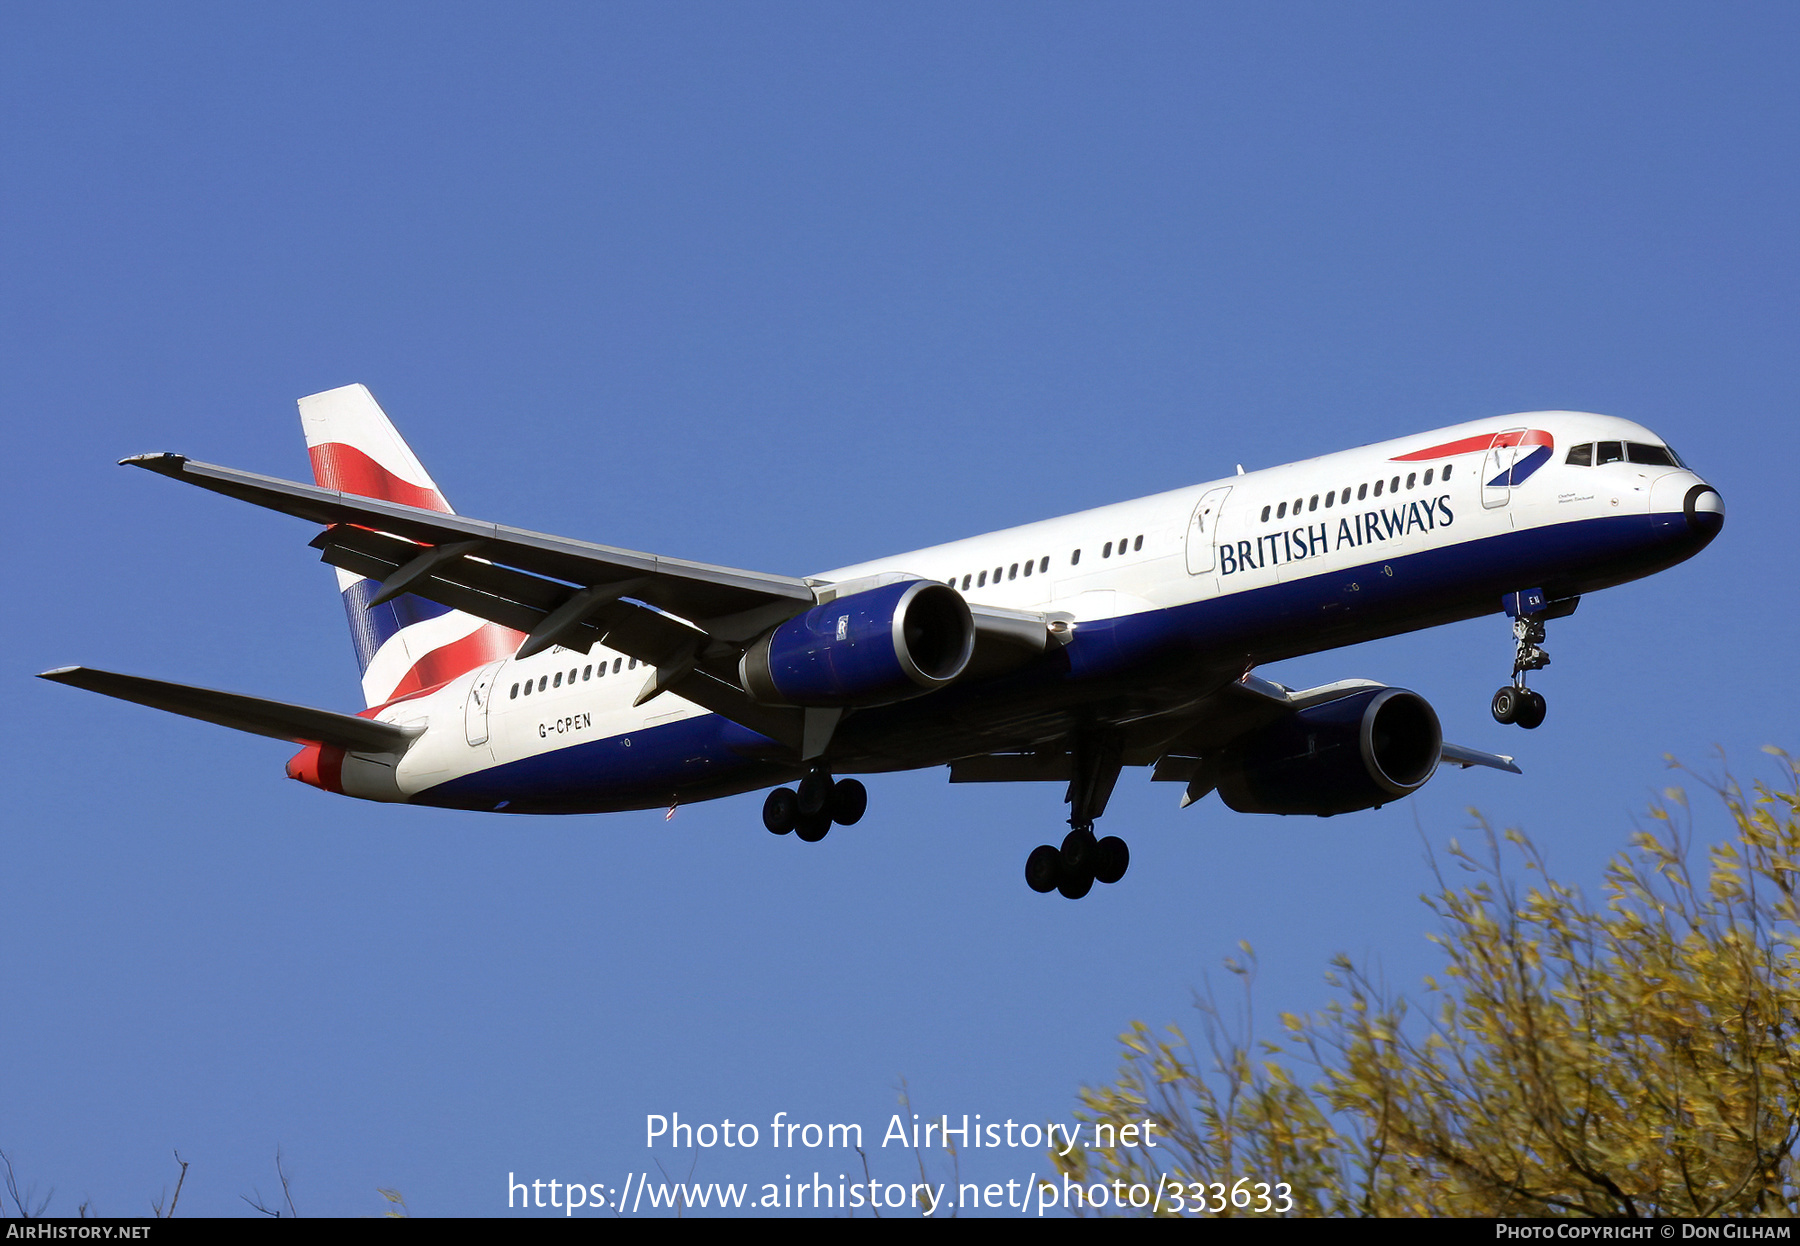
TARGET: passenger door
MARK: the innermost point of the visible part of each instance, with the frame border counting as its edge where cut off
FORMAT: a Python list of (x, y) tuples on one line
[(1203, 531), (475, 712), (1497, 467)]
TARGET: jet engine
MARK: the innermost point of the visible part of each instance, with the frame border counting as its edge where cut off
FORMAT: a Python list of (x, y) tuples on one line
[(871, 648), (1353, 753)]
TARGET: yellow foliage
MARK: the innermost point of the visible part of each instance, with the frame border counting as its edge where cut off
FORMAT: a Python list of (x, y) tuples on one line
[(1638, 1057)]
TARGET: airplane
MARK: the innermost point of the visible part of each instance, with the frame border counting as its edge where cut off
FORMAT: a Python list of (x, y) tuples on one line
[(512, 671)]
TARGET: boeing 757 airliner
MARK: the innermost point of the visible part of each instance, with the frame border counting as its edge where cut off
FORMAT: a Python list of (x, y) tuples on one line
[(515, 672)]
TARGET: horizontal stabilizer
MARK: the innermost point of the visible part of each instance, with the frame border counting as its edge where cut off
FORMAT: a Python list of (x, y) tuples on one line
[(275, 719)]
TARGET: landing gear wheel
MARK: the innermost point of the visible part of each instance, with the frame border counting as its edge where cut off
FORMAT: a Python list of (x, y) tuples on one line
[(1078, 849), (1111, 859), (1506, 704), (1075, 863), (849, 801), (1531, 712), (1042, 868), (815, 793), (1076, 887), (781, 810), (813, 829)]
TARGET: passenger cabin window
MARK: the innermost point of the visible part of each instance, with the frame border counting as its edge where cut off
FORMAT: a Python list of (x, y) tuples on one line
[(1075, 559), (1265, 517), (1394, 485), (1044, 564), (1012, 572), (1428, 479), (1028, 567), (515, 693), (1328, 499), (1581, 456), (1282, 513), (1412, 478), (1610, 452), (1378, 487), (616, 662), (1447, 468), (1137, 544), (1362, 492), (1107, 552), (981, 580)]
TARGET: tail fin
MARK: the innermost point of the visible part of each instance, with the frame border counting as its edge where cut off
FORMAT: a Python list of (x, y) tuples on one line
[(409, 643)]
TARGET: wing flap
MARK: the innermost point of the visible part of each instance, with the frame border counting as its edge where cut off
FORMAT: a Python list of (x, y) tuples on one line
[(278, 720)]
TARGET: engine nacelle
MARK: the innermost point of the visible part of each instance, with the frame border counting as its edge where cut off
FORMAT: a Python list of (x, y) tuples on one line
[(872, 648), (1354, 753)]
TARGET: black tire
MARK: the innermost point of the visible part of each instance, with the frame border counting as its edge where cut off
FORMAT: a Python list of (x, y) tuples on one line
[(1078, 854), (1111, 859), (813, 829), (815, 794), (1532, 711), (1506, 705), (849, 801), (781, 810), (1076, 887), (1042, 868)]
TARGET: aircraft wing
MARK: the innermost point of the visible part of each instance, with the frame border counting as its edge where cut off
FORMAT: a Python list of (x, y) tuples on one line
[(692, 590), (276, 719), (1179, 754), (1251, 701), (688, 620)]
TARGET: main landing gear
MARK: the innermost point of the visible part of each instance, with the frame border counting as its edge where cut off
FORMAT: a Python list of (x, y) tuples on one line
[(819, 802), (1516, 703), (1083, 860)]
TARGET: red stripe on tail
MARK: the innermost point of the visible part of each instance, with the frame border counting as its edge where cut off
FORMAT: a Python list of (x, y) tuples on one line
[(348, 470)]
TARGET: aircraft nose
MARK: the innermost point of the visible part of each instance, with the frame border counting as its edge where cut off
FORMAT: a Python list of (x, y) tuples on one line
[(1705, 509)]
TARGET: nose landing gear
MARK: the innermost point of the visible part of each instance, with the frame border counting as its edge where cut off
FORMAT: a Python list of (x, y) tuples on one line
[(1516, 703)]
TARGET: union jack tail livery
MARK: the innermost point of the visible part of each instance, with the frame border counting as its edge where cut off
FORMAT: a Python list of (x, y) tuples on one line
[(407, 644)]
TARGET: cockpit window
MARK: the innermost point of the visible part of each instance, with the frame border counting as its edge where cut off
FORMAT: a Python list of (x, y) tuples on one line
[(1581, 456), (1649, 456), (1611, 452)]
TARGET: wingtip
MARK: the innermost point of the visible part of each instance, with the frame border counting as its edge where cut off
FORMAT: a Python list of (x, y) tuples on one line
[(59, 674), (161, 461)]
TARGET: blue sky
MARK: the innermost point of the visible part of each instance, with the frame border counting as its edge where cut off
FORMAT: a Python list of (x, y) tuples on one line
[(788, 286)]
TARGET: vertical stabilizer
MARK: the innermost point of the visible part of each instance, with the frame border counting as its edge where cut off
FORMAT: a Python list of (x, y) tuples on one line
[(408, 643)]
